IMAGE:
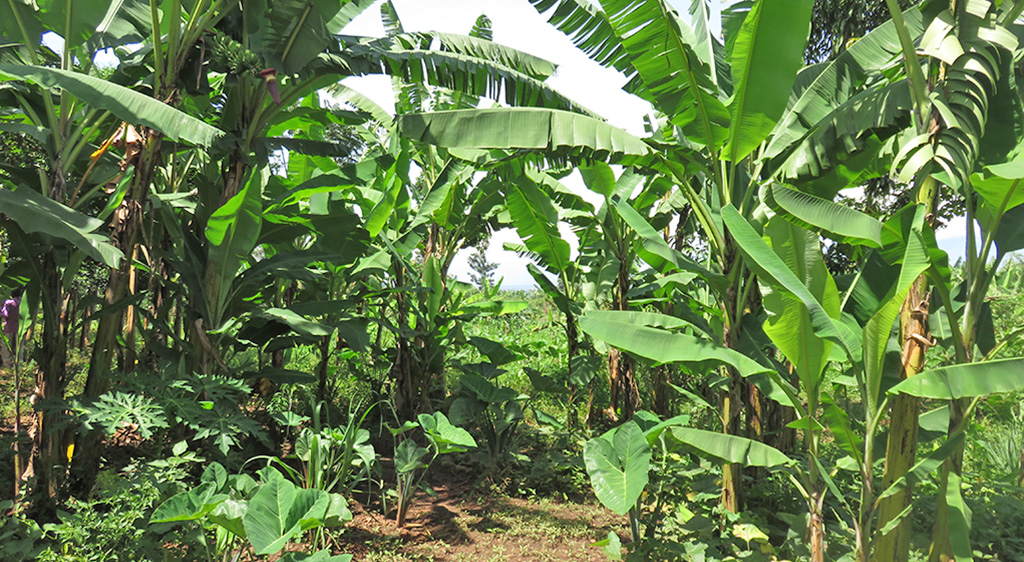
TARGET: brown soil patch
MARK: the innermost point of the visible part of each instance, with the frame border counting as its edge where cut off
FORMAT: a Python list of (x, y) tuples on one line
[(460, 525)]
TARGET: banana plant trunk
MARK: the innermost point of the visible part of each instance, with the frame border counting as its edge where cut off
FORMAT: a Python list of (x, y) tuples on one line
[(129, 220), (625, 394), (48, 463), (942, 545), (901, 449), (731, 399)]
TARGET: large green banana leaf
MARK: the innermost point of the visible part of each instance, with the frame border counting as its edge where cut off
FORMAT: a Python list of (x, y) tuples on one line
[(770, 268), (552, 131), (461, 72), (232, 232), (127, 105), (730, 448), (530, 65), (587, 25), (619, 329), (293, 32), (536, 222), (74, 20), (966, 380), (815, 125), (673, 77), (842, 223), (768, 52), (35, 213), (878, 329), (789, 322)]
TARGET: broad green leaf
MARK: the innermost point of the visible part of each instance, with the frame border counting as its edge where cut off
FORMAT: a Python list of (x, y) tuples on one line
[(391, 187), (789, 323), (1000, 185), (408, 57), (73, 20), (485, 390), (552, 131), (829, 114), (296, 322), (544, 383), (19, 22), (748, 532), (611, 546), (770, 268), (409, 457), (959, 519), (966, 380), (494, 351), (433, 281), (671, 75), (1009, 236), (660, 345), (587, 25), (215, 473), (190, 505), (584, 368), (838, 421), (536, 222), (338, 512), (280, 512), (841, 222), (618, 463), (127, 105), (445, 436), (229, 514), (730, 448), (232, 232), (768, 52), (652, 319), (35, 213)]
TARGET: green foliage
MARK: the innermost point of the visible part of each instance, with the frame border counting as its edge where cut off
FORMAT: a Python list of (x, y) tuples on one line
[(20, 538), (618, 463), (411, 459), (267, 514), (112, 524), (495, 411)]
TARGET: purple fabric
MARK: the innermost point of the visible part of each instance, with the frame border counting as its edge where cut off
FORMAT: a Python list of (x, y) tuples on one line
[(10, 316)]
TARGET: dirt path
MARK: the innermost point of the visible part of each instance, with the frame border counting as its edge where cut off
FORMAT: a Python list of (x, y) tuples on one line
[(461, 526)]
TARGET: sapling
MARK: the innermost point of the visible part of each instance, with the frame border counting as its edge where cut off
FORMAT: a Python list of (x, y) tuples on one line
[(411, 459)]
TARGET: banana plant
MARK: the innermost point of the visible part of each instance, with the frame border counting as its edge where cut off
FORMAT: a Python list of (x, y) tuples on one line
[(940, 137), (719, 103), (70, 111)]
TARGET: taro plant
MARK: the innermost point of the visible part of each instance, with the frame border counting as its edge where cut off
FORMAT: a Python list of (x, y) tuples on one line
[(496, 411), (267, 514), (413, 460)]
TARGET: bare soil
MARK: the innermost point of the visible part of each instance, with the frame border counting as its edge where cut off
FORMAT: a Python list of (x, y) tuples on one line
[(461, 525)]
